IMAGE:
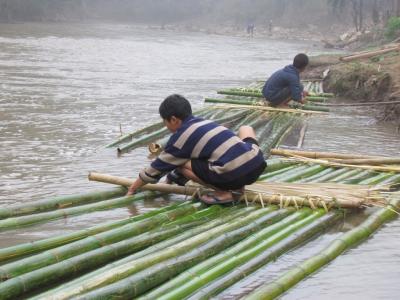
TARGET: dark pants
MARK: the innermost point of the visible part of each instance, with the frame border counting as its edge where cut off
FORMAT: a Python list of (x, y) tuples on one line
[(280, 97)]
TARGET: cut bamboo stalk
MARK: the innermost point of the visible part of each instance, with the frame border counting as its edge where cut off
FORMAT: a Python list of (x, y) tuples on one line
[(227, 214), (376, 161), (269, 108), (29, 264), (17, 222), (246, 244), (369, 54), (351, 238), (251, 196), (122, 271), (140, 282), (331, 176), (317, 155), (45, 244), (300, 236), (149, 129), (26, 208)]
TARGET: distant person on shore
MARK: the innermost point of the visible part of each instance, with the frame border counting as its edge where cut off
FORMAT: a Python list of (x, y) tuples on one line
[(204, 152), (284, 85), (250, 29), (270, 27)]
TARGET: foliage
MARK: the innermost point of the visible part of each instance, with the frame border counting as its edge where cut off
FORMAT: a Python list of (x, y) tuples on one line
[(393, 28)]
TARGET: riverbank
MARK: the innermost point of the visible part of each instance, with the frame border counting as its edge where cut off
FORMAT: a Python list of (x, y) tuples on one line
[(373, 79)]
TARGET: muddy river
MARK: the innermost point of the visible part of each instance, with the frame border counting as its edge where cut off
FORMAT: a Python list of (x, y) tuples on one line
[(66, 90)]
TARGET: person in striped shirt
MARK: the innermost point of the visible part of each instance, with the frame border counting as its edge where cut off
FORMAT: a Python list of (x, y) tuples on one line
[(205, 152)]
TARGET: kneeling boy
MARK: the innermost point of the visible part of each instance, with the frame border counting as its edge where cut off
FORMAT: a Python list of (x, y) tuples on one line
[(205, 152)]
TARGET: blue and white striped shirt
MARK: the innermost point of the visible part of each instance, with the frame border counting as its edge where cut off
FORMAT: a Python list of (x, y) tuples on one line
[(227, 155)]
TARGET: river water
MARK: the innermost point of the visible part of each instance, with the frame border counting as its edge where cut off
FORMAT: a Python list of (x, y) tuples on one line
[(67, 89)]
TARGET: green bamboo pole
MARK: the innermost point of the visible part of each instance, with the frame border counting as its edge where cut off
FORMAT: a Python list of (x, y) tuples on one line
[(395, 179), (230, 101), (349, 239), (248, 243), (281, 176), (327, 171), (231, 263), (267, 175), (374, 180), (64, 252), (12, 223), (326, 178), (150, 128), (142, 140), (26, 208), (365, 174), (139, 283), (227, 214), (21, 250), (90, 260), (271, 254), (275, 164), (349, 173), (137, 265)]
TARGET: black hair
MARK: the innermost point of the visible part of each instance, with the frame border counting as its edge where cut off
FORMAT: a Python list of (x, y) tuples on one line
[(300, 61), (175, 105)]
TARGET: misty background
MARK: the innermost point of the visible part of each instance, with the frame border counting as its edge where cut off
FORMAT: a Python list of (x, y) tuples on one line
[(326, 14)]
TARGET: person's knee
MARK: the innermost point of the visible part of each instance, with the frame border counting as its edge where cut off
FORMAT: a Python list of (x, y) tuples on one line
[(246, 131)]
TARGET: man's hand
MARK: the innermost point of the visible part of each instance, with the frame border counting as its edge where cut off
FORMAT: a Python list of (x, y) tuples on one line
[(134, 186)]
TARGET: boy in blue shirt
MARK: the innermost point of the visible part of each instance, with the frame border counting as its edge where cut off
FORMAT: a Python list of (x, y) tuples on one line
[(284, 85), (205, 152)]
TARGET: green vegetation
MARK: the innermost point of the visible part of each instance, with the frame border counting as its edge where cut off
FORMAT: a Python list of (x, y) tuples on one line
[(393, 28)]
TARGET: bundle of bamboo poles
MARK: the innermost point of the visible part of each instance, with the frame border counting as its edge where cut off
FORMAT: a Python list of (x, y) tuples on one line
[(373, 163), (351, 238), (298, 195)]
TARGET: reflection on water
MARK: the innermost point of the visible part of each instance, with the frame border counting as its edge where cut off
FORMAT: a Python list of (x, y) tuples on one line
[(66, 89)]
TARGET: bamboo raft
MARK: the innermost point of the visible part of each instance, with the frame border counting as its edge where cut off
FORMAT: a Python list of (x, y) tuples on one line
[(187, 250)]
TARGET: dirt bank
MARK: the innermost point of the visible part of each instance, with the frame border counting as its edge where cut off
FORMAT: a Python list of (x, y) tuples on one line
[(374, 79)]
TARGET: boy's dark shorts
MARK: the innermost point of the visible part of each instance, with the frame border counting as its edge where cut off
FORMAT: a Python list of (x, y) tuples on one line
[(201, 169)]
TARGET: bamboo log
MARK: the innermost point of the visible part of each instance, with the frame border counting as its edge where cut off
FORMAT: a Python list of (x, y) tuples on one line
[(140, 282), (269, 108), (287, 280), (58, 254), (317, 155), (289, 242), (370, 161), (244, 245), (148, 129), (368, 54), (45, 244), (26, 208), (134, 266), (227, 214), (251, 196)]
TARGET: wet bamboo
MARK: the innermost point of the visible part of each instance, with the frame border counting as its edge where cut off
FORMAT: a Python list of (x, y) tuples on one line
[(41, 245), (267, 175), (302, 135), (395, 179), (331, 176), (370, 161), (269, 108), (271, 254), (351, 238), (227, 214), (251, 196), (26, 208), (231, 101), (17, 222), (87, 261), (137, 265), (318, 175), (359, 177), (148, 129), (248, 243), (317, 155), (376, 179), (142, 140), (143, 281), (96, 241)]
